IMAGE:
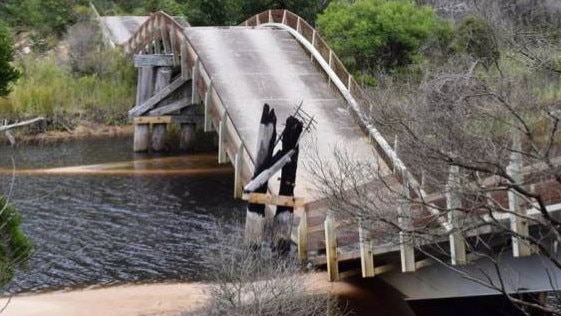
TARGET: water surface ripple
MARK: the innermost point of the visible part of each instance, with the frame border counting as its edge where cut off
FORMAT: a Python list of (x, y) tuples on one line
[(105, 227)]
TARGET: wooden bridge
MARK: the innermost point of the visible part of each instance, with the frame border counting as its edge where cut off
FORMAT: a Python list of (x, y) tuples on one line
[(220, 77)]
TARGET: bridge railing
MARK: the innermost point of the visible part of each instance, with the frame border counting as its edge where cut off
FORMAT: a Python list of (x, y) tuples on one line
[(163, 34), (356, 98)]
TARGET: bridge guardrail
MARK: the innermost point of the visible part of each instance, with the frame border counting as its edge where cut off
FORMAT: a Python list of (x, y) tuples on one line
[(161, 33)]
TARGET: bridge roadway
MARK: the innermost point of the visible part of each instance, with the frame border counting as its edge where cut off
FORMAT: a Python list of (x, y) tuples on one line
[(235, 70)]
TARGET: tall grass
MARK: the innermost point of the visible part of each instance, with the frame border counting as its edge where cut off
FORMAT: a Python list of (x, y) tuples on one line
[(49, 89)]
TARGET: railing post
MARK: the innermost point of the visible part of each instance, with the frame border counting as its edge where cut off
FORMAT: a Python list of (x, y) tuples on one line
[(284, 17), (185, 73), (195, 77), (366, 255), (303, 236), (406, 248), (271, 16), (208, 99), (222, 155), (455, 217), (298, 26), (331, 247), (238, 185), (518, 224)]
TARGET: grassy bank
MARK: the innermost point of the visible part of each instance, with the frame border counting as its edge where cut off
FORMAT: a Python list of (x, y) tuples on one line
[(49, 88)]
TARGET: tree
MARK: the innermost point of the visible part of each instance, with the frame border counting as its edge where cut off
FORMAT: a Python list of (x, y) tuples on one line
[(15, 248), (374, 34), (8, 74), (482, 154)]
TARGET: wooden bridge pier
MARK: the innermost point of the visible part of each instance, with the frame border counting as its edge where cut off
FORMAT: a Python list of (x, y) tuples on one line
[(158, 104)]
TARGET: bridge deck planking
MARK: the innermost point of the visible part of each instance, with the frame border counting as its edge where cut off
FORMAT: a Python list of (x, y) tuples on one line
[(121, 28), (251, 66)]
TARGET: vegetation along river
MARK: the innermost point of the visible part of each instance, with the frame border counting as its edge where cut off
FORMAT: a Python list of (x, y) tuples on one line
[(98, 214)]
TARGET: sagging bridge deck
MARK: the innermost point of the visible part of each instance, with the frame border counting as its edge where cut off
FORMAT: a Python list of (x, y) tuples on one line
[(276, 57)]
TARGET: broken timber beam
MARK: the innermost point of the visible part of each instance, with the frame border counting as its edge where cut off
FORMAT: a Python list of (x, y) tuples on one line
[(172, 107), (150, 103)]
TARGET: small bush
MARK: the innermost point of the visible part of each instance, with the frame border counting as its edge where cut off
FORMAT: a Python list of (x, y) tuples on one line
[(250, 282), (15, 248)]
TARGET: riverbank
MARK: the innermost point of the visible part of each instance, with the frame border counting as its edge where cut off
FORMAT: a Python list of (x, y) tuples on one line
[(83, 130), (166, 299), (122, 300)]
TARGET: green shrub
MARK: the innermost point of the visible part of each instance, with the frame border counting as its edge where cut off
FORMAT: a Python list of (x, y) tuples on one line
[(379, 34), (15, 248), (475, 36), (50, 90)]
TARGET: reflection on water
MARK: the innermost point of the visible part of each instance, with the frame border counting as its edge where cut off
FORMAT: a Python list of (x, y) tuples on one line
[(98, 214)]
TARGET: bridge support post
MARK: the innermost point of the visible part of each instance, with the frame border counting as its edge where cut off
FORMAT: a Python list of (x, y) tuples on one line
[(144, 90), (331, 248), (141, 137), (158, 137), (455, 216), (366, 255), (187, 137)]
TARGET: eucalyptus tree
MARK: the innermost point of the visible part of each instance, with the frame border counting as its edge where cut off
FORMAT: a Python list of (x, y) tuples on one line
[(8, 73)]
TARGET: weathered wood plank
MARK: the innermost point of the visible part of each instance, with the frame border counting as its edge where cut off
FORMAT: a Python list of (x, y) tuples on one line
[(172, 107), (268, 199), (153, 60), (150, 103)]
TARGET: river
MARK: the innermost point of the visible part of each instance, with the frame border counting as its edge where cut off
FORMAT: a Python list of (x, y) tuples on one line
[(99, 214)]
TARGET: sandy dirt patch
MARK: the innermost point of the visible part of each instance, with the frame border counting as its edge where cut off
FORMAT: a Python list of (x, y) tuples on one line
[(124, 300), (139, 300)]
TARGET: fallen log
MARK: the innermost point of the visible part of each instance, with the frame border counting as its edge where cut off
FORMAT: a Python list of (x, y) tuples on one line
[(4, 128)]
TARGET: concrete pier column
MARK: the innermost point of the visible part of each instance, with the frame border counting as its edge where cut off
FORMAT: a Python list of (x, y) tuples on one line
[(158, 137), (187, 137), (141, 137)]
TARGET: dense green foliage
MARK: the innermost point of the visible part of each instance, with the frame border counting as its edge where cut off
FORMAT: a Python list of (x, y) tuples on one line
[(15, 248), (379, 34), (8, 73), (475, 37)]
